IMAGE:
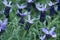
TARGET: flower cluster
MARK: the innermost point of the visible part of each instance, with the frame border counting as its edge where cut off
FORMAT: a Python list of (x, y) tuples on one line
[(42, 8), (3, 25)]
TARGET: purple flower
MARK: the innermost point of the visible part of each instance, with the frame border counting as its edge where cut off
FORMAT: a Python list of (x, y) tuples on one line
[(3, 25), (22, 15), (7, 8), (29, 22), (43, 9), (50, 3), (7, 3), (49, 33), (20, 7), (52, 9)]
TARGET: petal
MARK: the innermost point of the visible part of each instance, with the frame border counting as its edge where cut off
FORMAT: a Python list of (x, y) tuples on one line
[(42, 37), (38, 6), (25, 13), (50, 4), (52, 30), (10, 2), (53, 34), (3, 27), (22, 6), (29, 17), (30, 21), (56, 8), (29, 1), (5, 2), (5, 21), (45, 30), (44, 7), (18, 5)]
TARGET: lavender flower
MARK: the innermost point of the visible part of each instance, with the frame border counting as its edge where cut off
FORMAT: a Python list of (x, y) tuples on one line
[(43, 11), (3, 25), (22, 17), (20, 14), (7, 8), (52, 9), (50, 33), (29, 23), (22, 6)]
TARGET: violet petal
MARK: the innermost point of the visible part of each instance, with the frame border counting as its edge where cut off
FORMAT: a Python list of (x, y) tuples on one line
[(45, 30)]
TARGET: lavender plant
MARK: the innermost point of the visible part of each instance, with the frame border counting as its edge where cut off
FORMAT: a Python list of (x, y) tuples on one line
[(33, 26)]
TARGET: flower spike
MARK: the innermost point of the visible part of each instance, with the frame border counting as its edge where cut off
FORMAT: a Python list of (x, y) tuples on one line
[(51, 32)]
